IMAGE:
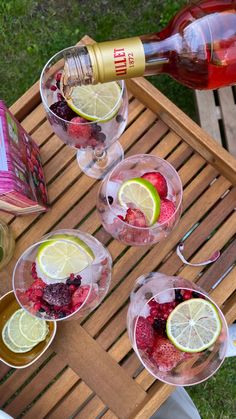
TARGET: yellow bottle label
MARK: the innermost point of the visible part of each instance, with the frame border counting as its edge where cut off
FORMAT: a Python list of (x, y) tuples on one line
[(116, 60)]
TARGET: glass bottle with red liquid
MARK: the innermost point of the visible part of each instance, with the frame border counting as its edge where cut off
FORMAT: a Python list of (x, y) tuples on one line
[(197, 48)]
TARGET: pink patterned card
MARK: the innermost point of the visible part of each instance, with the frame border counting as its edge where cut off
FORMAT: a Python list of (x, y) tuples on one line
[(22, 182)]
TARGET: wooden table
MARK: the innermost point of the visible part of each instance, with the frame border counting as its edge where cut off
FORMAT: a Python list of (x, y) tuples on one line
[(217, 115), (91, 370)]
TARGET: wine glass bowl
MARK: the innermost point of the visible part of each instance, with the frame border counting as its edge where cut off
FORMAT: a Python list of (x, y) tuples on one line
[(95, 140), (152, 300), (112, 214), (56, 297)]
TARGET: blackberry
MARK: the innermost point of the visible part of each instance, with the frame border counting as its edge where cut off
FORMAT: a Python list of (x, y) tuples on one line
[(74, 281), (178, 296), (42, 310), (57, 294), (119, 118), (110, 200), (61, 315), (196, 294), (58, 84), (101, 137), (159, 326), (96, 128), (62, 110)]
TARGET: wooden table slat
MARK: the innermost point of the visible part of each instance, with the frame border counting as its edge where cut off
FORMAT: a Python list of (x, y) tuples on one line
[(69, 404), (98, 369), (15, 381), (54, 394), (228, 110), (35, 386)]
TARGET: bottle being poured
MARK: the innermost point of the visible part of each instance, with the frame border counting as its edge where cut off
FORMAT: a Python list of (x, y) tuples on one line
[(197, 48)]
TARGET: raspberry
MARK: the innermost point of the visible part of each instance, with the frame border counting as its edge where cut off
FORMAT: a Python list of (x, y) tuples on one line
[(34, 295), (53, 88), (38, 283), (152, 303), (144, 334), (58, 76), (158, 180), (135, 217), (150, 319), (165, 355), (167, 210), (37, 306), (153, 312), (79, 128), (187, 295)]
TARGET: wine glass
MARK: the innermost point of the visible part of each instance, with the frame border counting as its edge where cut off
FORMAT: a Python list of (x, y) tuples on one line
[(152, 300), (62, 294), (95, 141), (113, 215)]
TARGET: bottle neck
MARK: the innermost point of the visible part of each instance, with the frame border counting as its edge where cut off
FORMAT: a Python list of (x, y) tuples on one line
[(158, 52), (114, 60)]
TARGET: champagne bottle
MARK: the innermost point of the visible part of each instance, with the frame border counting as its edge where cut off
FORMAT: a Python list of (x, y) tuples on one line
[(197, 48)]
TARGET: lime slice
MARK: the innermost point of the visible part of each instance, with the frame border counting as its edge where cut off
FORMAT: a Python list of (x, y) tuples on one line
[(33, 329), (96, 102), (76, 240), (14, 332), (58, 258), (10, 345), (194, 325), (143, 195)]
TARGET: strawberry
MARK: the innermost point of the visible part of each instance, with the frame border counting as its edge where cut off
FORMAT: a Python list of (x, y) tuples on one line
[(144, 334), (80, 295), (167, 210), (158, 180), (79, 129), (165, 355), (135, 217)]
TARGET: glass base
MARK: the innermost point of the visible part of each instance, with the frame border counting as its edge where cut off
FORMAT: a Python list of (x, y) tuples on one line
[(97, 165)]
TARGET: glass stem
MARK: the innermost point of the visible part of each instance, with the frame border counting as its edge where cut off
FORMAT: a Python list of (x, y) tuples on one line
[(100, 154)]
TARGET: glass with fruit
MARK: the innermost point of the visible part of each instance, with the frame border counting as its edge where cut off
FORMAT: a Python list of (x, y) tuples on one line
[(67, 273), (139, 202), (89, 118), (177, 331)]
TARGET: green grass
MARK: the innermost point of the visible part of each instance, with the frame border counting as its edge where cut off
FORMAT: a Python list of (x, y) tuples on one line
[(32, 31), (215, 398)]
